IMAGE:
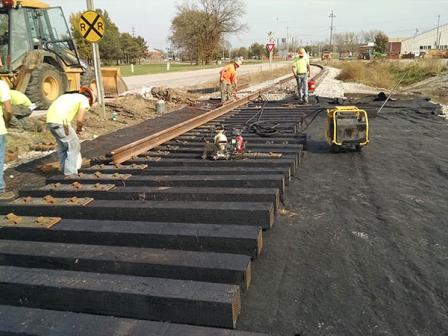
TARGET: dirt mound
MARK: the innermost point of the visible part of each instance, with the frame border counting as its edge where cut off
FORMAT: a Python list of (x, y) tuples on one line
[(435, 87)]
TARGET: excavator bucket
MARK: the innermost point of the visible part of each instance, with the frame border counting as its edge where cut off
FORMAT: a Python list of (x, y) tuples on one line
[(114, 85)]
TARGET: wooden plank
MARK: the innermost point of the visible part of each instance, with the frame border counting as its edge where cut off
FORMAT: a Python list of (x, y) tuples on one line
[(244, 213), (237, 239), (158, 171), (23, 321), (166, 194), (167, 162), (173, 264), (191, 181), (190, 302)]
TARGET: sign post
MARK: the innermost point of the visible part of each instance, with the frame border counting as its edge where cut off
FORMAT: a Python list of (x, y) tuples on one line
[(92, 28), (270, 48)]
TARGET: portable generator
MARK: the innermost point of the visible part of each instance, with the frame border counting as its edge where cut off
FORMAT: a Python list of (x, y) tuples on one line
[(347, 126)]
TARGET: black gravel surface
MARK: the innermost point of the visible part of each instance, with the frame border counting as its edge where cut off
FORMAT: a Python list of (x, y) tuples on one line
[(362, 248)]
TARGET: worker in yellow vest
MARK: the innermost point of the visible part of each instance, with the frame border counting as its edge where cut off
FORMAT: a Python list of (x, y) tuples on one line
[(5, 117), (302, 71), (22, 107), (59, 117)]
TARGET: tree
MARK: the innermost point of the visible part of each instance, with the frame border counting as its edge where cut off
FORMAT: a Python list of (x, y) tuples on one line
[(346, 41), (198, 28), (143, 48), (368, 36), (257, 50), (131, 49), (84, 48), (243, 52), (110, 46), (381, 41)]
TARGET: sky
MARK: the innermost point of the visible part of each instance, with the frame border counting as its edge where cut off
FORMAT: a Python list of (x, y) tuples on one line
[(305, 20)]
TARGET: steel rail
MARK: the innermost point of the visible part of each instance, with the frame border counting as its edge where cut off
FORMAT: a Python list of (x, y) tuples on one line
[(135, 148)]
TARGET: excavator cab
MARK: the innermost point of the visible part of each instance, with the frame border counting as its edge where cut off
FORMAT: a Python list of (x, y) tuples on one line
[(38, 54)]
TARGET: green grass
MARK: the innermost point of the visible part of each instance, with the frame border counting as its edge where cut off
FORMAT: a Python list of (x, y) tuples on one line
[(147, 69), (417, 71)]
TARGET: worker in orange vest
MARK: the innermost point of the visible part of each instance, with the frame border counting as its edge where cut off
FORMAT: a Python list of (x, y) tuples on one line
[(228, 80)]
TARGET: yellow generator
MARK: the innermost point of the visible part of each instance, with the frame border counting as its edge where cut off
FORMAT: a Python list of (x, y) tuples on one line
[(347, 126)]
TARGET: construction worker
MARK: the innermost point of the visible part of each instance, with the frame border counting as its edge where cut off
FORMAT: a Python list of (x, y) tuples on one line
[(301, 70), (59, 117), (5, 117), (22, 107), (228, 80)]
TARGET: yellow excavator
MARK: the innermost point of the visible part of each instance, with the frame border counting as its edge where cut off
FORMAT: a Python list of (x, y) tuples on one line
[(39, 57)]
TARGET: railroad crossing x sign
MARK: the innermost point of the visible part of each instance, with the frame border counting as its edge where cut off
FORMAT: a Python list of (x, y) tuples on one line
[(91, 26)]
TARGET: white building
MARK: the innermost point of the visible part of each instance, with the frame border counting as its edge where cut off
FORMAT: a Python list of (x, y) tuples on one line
[(426, 41)]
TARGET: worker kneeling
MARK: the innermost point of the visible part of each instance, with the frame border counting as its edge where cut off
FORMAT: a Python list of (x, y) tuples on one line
[(22, 107), (59, 117)]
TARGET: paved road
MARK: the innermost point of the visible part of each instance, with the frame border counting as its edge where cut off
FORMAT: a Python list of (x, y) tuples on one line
[(190, 78)]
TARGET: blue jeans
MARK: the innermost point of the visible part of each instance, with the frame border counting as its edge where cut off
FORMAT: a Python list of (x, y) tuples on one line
[(68, 148), (302, 86), (2, 161)]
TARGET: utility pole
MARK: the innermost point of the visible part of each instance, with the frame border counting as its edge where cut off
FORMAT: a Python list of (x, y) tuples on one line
[(332, 16), (287, 39), (133, 31), (438, 28), (97, 66)]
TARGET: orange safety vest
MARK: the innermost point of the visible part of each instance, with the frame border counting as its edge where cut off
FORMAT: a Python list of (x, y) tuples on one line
[(228, 74)]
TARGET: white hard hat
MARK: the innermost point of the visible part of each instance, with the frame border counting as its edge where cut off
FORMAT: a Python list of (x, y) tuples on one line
[(238, 62)]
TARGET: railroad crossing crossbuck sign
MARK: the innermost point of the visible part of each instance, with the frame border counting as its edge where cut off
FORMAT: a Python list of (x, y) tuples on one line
[(91, 26)]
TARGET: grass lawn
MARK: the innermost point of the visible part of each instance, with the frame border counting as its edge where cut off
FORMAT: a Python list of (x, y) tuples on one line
[(148, 69)]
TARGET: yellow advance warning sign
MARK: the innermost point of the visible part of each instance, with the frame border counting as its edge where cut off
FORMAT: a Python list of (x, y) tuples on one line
[(92, 26)]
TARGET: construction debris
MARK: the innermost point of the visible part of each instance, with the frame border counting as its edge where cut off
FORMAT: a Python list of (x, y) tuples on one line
[(173, 96)]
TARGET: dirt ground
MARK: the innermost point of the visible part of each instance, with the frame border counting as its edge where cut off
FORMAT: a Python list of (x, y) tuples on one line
[(363, 247)]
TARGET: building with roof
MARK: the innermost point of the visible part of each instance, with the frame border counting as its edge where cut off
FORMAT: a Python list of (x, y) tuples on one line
[(424, 42)]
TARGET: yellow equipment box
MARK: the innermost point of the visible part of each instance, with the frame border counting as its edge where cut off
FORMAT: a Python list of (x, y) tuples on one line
[(347, 126)]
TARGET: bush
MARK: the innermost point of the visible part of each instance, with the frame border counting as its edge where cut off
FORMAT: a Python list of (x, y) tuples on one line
[(385, 74)]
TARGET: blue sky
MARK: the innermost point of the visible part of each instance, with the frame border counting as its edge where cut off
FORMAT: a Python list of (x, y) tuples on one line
[(306, 20)]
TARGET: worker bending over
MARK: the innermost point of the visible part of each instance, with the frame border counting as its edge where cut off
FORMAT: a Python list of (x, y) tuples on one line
[(22, 107), (5, 117), (228, 80), (59, 117), (301, 70)]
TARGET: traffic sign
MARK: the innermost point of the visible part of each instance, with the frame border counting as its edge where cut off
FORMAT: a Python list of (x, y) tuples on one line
[(92, 26), (270, 46)]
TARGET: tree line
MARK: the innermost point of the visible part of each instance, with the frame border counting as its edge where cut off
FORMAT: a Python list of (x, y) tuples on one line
[(115, 47), (198, 33), (198, 30)]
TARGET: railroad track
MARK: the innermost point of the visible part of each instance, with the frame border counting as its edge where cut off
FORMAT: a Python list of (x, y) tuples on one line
[(165, 236)]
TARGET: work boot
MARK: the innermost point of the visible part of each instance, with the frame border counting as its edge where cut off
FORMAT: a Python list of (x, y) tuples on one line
[(7, 196)]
